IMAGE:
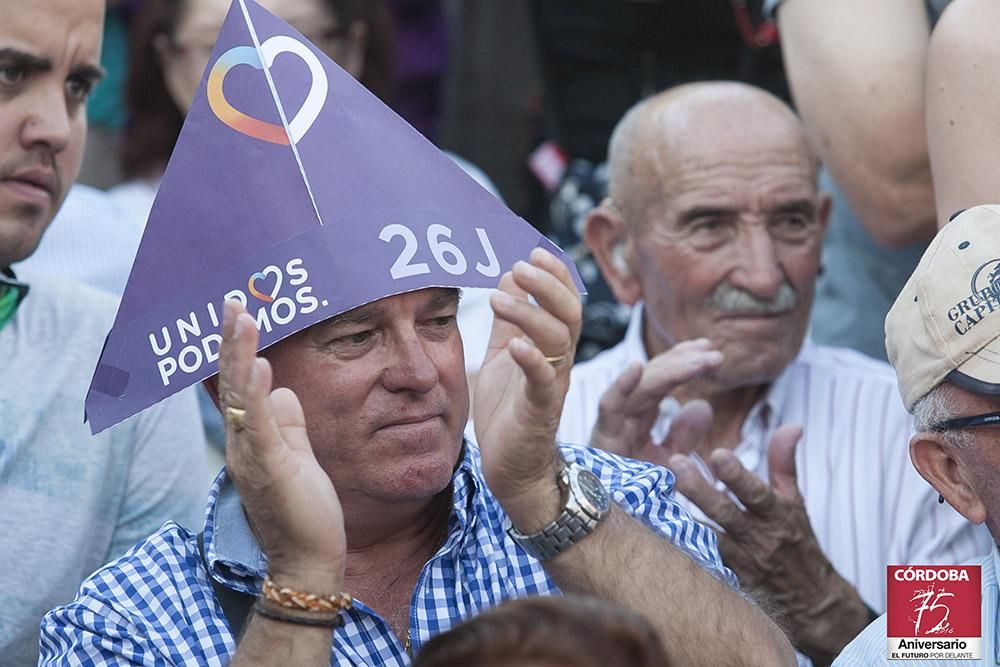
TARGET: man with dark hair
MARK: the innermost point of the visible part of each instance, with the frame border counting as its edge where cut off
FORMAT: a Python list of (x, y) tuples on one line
[(70, 501)]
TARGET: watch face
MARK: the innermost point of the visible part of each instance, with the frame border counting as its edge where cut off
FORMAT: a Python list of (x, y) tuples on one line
[(594, 495)]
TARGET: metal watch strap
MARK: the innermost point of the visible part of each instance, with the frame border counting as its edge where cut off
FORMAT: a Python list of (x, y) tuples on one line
[(575, 521), (556, 537)]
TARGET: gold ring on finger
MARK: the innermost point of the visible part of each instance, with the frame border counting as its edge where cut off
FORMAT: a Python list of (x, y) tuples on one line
[(237, 418), (557, 360)]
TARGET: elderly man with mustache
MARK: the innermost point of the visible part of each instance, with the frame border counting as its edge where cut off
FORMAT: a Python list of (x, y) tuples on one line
[(713, 230)]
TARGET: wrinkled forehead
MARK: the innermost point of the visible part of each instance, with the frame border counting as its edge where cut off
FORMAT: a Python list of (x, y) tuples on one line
[(760, 183), (712, 164), (66, 33), (752, 180)]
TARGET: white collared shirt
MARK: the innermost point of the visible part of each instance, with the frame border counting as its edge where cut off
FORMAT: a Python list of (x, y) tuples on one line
[(868, 506)]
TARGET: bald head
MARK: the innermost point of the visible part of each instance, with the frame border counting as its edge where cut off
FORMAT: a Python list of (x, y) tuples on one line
[(659, 138)]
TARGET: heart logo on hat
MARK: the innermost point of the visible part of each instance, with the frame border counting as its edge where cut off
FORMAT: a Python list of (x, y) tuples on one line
[(262, 275), (254, 127)]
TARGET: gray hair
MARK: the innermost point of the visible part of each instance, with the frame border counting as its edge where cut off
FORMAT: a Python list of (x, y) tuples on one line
[(936, 406)]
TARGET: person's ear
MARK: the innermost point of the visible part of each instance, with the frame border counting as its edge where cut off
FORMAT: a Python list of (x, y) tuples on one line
[(605, 234), (212, 387), (938, 462)]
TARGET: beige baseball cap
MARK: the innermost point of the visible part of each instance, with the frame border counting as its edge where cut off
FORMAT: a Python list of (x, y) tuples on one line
[(945, 323)]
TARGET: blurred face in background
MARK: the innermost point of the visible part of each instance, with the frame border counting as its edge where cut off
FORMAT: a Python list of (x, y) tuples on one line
[(185, 54)]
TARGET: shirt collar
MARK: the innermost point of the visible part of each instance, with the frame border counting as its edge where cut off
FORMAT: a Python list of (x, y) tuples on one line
[(12, 293), (234, 556), (773, 404), (468, 500)]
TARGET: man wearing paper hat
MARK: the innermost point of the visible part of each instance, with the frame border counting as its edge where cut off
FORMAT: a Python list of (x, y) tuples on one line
[(71, 501), (943, 338), (301, 215)]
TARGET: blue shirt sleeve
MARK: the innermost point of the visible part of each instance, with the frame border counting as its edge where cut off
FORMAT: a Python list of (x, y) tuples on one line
[(646, 492)]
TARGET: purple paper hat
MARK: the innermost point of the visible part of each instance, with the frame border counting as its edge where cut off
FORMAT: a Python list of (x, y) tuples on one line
[(296, 191)]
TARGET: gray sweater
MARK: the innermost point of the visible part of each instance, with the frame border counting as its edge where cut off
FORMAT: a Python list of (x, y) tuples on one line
[(69, 501)]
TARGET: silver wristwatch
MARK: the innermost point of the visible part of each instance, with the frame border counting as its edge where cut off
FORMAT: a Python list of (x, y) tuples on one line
[(585, 504)]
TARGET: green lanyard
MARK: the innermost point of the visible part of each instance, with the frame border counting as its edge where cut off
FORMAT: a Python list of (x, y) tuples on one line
[(12, 292)]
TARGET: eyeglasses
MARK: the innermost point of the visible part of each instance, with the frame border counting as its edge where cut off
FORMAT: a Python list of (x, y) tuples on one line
[(967, 422)]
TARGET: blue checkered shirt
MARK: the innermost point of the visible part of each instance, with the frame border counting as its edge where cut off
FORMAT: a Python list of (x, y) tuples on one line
[(156, 606)]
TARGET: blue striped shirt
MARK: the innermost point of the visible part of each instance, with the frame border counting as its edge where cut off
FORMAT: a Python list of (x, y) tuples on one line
[(870, 648), (156, 606)]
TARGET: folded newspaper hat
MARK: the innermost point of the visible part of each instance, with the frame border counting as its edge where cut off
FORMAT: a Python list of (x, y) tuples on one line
[(296, 191), (945, 323)]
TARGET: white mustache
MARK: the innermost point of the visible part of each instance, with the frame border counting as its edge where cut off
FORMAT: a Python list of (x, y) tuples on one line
[(735, 301)]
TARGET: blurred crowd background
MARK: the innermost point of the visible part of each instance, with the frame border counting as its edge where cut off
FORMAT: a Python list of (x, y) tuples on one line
[(527, 91)]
